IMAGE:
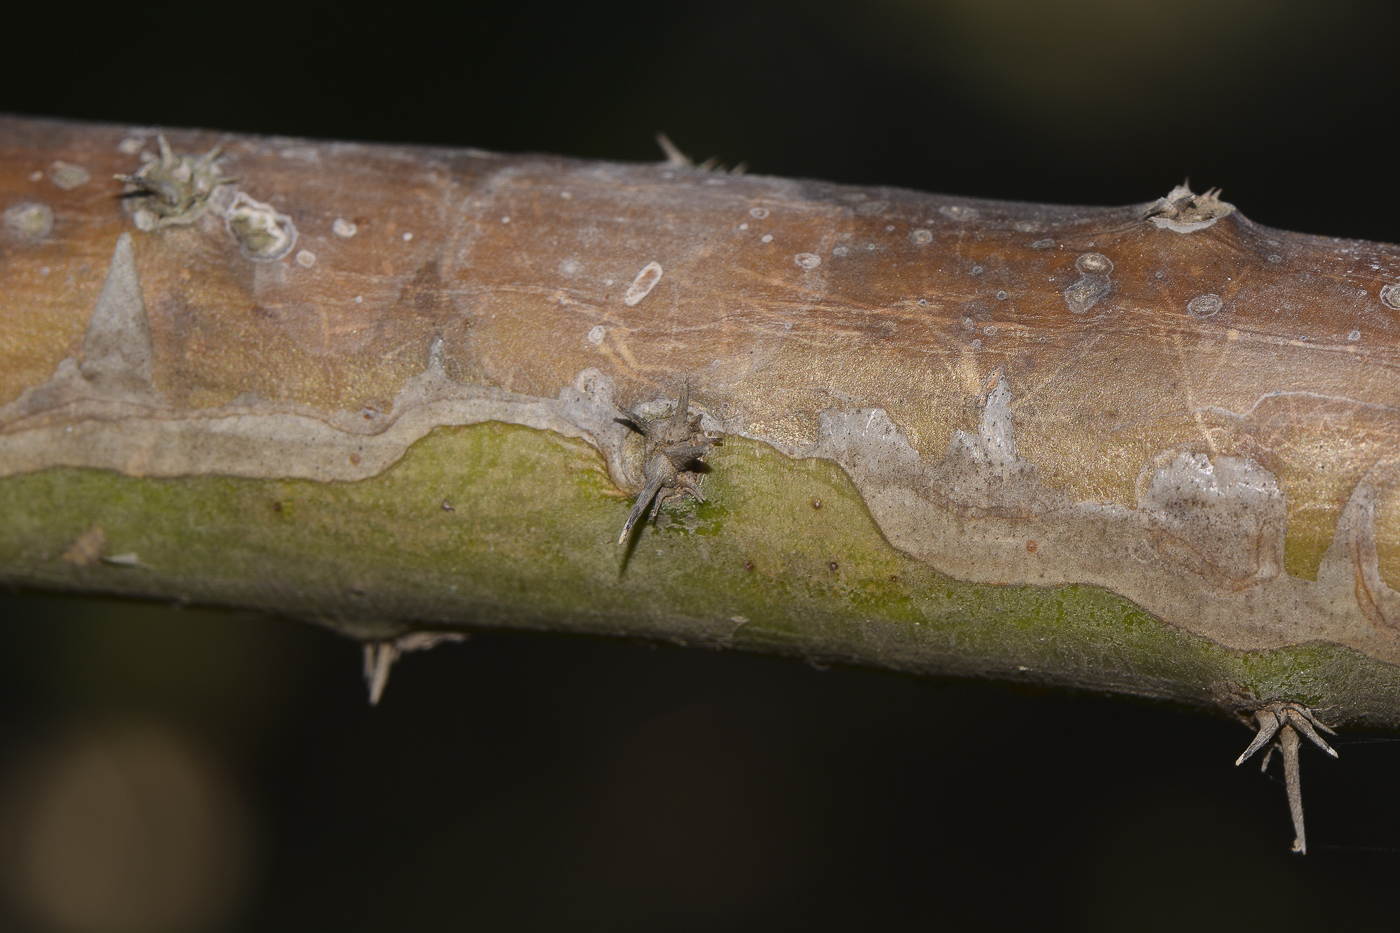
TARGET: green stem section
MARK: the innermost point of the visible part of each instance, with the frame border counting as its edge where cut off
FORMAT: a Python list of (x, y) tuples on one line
[(496, 525)]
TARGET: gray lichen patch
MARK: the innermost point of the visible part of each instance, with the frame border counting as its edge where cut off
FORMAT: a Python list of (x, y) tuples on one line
[(262, 232), (28, 222), (1093, 284), (68, 176), (962, 213), (1390, 297), (1204, 306)]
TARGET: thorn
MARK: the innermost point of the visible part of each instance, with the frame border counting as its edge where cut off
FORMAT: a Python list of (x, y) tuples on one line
[(1287, 720), (379, 658), (672, 444), (673, 447), (674, 156), (649, 492), (691, 486), (1268, 724), (211, 155), (1299, 721), (381, 655), (683, 455), (150, 187), (1289, 742), (1312, 718)]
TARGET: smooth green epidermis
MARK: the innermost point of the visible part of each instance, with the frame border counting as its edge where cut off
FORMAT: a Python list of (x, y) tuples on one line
[(529, 541)]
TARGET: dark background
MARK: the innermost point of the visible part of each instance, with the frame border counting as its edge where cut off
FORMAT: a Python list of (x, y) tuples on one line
[(524, 782)]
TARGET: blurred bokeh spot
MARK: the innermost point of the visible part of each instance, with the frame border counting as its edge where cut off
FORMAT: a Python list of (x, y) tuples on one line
[(1095, 59), (121, 827)]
